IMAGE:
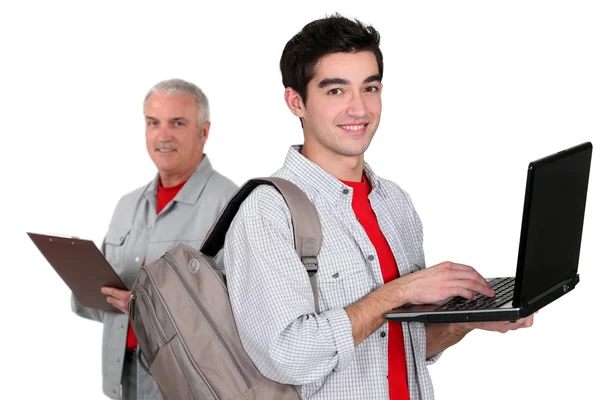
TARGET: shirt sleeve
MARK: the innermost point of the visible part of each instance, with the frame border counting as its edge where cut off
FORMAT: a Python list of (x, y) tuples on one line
[(273, 305)]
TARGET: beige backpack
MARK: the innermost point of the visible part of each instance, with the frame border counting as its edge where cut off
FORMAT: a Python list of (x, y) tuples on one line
[(182, 317)]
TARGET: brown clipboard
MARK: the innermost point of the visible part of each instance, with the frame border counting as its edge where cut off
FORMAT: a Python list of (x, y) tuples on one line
[(81, 266)]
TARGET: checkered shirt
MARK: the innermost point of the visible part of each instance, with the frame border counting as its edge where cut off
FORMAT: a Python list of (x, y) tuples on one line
[(271, 295)]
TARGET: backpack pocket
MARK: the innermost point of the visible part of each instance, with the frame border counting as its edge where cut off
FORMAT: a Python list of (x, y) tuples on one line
[(179, 381)]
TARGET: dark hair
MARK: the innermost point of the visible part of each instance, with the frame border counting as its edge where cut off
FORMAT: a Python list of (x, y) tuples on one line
[(333, 34)]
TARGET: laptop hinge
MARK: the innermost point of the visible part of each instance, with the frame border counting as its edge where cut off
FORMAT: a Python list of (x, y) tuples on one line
[(575, 277)]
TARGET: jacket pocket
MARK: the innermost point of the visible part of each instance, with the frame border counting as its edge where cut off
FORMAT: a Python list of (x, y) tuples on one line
[(115, 243)]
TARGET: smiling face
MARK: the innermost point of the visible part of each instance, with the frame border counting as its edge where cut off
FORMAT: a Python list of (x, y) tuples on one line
[(343, 104), (174, 140)]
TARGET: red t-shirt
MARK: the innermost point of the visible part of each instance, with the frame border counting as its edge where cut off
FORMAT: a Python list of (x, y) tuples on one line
[(397, 376), (163, 197)]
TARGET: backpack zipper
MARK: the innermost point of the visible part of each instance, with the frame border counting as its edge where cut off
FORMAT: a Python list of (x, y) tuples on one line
[(173, 265), (162, 337)]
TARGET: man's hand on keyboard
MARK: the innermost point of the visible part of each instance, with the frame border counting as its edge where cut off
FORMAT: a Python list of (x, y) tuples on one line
[(440, 282)]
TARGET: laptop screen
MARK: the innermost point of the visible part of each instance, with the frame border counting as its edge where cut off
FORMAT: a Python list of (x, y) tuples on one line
[(552, 220)]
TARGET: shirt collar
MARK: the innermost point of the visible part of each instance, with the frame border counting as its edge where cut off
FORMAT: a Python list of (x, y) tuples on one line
[(190, 192), (310, 175)]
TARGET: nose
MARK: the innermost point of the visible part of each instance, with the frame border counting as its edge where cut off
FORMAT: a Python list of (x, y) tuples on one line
[(164, 134), (357, 108)]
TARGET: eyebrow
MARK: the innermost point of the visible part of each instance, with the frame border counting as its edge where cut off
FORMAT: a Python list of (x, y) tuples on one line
[(176, 119), (341, 81)]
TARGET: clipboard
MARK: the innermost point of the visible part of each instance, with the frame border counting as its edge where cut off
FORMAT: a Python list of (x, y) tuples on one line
[(82, 266)]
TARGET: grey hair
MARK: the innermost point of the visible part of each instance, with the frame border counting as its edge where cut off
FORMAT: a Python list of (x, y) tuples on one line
[(179, 86)]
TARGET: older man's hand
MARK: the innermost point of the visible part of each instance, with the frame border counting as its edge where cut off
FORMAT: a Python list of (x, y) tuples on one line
[(118, 298)]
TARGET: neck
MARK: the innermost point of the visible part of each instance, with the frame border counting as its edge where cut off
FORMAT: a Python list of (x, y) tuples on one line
[(169, 179), (345, 168)]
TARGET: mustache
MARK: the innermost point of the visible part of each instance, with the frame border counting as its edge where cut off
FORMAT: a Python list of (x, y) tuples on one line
[(165, 146)]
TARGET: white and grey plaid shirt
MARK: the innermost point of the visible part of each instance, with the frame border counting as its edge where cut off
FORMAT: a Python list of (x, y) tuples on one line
[(272, 300)]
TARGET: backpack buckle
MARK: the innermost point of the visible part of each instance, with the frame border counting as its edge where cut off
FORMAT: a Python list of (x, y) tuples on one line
[(310, 263)]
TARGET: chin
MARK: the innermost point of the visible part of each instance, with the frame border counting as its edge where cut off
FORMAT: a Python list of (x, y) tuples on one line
[(352, 150), (164, 167)]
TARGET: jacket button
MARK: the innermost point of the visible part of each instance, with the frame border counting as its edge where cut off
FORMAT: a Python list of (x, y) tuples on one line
[(137, 259)]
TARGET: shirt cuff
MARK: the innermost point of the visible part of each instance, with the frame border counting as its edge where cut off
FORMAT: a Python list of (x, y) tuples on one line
[(433, 359), (342, 335)]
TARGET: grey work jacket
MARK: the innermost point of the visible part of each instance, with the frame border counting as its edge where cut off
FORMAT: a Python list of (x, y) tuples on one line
[(136, 234)]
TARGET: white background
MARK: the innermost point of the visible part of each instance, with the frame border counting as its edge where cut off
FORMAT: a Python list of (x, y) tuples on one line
[(473, 91)]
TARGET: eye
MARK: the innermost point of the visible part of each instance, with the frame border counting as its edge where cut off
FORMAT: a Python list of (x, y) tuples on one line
[(372, 89), (178, 124), (335, 92), (151, 122)]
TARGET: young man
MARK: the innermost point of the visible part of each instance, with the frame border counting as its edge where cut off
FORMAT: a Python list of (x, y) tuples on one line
[(178, 206), (371, 258)]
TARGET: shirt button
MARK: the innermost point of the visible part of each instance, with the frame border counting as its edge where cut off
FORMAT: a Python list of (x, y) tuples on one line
[(370, 258), (382, 334), (122, 326), (118, 360), (120, 238), (137, 259), (345, 191)]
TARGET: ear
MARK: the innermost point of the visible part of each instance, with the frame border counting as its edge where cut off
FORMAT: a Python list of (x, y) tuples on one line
[(204, 130), (294, 102)]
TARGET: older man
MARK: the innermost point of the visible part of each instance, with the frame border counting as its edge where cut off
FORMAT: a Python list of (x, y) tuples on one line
[(178, 206)]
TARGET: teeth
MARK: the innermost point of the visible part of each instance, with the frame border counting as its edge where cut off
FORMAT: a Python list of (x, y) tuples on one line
[(165, 150), (353, 127)]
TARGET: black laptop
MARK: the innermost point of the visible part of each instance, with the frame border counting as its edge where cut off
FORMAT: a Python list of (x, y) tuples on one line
[(551, 229)]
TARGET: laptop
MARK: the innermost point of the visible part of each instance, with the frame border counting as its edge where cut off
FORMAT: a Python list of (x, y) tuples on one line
[(548, 258)]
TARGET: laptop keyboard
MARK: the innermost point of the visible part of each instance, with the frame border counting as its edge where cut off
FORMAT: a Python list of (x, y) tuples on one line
[(503, 287)]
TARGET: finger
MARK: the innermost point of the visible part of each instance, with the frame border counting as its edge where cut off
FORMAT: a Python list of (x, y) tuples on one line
[(466, 268), (522, 323), (473, 276), (123, 307), (473, 285), (459, 291), (119, 305), (121, 294), (117, 293), (463, 267)]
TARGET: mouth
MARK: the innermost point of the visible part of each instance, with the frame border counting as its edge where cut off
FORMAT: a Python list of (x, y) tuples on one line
[(354, 129), (165, 151)]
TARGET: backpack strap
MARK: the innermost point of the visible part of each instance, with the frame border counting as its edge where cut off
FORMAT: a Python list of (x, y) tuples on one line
[(305, 222)]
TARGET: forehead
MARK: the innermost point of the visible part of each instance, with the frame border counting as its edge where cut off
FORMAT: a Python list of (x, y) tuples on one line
[(167, 105), (354, 67)]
